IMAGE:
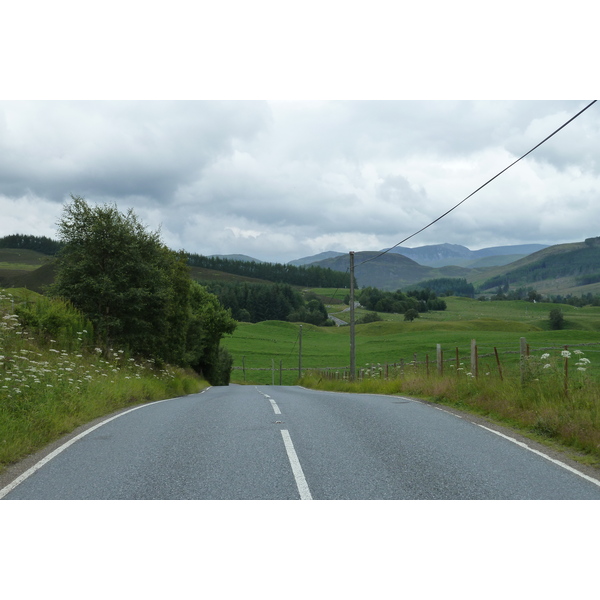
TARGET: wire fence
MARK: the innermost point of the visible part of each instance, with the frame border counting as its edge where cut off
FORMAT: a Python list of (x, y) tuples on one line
[(473, 362)]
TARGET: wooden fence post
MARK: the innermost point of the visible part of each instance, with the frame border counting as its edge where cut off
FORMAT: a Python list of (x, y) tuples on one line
[(566, 372), (498, 363), (523, 350), (457, 361), (474, 358), (440, 359)]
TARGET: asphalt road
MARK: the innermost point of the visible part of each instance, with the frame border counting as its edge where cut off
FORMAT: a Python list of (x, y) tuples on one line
[(285, 443)]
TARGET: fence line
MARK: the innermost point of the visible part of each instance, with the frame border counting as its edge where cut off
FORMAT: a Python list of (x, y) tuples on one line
[(458, 359)]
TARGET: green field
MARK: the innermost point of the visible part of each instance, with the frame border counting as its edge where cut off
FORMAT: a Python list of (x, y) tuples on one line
[(497, 325)]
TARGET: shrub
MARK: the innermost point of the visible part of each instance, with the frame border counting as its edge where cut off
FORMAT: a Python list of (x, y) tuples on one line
[(557, 319)]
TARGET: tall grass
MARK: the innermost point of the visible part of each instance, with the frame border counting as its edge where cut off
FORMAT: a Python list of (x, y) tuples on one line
[(554, 396), (49, 387)]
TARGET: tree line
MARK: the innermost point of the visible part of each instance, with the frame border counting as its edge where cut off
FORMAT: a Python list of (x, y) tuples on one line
[(306, 276), (448, 286), (256, 302), (42, 244), (400, 302)]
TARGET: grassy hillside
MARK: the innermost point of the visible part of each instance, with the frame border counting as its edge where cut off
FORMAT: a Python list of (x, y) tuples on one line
[(555, 270), (202, 275), (390, 271), (22, 260)]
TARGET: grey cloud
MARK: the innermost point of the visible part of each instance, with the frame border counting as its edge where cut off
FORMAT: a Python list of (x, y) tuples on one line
[(117, 149)]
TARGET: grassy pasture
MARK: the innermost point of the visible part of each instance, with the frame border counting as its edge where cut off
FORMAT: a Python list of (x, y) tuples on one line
[(497, 325)]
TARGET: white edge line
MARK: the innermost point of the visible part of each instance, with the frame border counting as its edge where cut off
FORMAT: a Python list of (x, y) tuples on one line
[(296, 468), (13, 484), (557, 462), (448, 412)]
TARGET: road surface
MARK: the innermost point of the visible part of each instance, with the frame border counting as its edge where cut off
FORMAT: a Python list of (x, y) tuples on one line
[(287, 443)]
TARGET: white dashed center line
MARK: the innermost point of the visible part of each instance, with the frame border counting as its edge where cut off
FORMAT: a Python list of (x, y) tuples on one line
[(296, 467)]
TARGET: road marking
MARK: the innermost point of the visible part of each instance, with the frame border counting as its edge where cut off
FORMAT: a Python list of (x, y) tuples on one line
[(273, 403), (557, 462), (296, 468), (448, 412), (13, 484)]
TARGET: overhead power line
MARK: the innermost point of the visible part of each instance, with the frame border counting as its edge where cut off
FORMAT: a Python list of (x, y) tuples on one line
[(479, 188)]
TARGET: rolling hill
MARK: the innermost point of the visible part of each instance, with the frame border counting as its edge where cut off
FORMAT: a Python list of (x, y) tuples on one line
[(564, 268), (389, 271), (443, 255)]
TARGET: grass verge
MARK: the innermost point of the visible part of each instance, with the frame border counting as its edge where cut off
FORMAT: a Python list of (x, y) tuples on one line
[(539, 405), (47, 389)]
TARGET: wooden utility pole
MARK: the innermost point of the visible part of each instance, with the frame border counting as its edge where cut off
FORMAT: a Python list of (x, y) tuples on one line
[(352, 328)]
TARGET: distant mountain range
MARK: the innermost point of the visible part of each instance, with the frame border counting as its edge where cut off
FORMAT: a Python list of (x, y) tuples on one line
[(402, 266), (442, 255), (553, 270)]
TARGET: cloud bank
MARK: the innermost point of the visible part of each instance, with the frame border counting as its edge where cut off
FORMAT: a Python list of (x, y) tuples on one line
[(286, 179)]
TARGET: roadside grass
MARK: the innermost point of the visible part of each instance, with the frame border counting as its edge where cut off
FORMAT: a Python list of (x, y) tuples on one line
[(48, 388), (539, 405)]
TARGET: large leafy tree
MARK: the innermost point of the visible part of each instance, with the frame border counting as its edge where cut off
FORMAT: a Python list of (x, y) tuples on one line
[(135, 290)]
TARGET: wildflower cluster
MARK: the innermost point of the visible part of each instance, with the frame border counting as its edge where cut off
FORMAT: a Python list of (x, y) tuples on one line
[(373, 371), (547, 365), (27, 371)]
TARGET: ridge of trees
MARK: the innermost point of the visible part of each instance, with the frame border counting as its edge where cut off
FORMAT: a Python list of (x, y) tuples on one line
[(255, 302), (305, 276), (42, 244), (399, 302), (448, 286)]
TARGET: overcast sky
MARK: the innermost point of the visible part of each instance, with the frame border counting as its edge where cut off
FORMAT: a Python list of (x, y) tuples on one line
[(282, 180), (277, 172)]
